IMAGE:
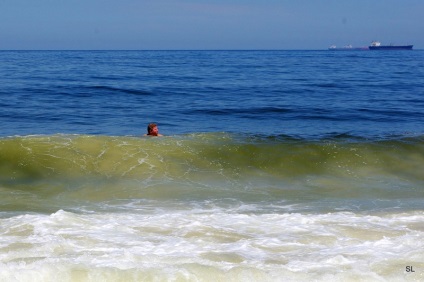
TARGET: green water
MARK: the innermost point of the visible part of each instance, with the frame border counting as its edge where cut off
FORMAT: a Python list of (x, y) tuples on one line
[(43, 172)]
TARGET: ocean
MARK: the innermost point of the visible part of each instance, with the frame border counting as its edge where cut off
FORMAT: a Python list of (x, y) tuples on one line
[(274, 166)]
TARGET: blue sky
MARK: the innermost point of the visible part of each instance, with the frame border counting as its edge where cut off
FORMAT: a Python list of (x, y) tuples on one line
[(202, 24)]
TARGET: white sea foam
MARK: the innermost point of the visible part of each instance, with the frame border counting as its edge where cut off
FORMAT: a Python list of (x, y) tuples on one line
[(211, 244)]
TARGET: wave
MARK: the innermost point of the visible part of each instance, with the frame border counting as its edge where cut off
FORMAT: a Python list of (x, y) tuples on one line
[(211, 166), (110, 89)]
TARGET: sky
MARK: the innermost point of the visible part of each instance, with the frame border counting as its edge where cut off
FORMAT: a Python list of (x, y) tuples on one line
[(210, 25)]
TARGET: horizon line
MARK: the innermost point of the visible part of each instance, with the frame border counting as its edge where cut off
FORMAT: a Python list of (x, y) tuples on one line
[(260, 49)]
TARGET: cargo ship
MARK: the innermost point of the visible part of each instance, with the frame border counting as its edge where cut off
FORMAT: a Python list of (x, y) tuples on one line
[(376, 45)]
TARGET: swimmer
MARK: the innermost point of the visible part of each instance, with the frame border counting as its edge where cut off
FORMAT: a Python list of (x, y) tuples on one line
[(153, 130)]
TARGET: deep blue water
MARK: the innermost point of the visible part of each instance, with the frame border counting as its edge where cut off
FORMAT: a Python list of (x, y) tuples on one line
[(308, 94)]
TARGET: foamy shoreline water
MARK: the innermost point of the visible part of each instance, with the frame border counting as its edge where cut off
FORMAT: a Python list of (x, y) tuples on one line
[(207, 245)]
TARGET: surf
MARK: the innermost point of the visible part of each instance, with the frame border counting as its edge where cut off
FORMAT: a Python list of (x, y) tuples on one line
[(206, 166)]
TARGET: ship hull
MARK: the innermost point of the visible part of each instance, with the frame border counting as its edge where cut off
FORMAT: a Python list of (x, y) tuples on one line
[(391, 47)]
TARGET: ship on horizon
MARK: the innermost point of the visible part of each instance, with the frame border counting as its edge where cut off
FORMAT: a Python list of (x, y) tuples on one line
[(347, 48), (376, 45)]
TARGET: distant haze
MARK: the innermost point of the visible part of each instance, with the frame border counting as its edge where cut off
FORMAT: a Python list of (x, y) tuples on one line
[(190, 24)]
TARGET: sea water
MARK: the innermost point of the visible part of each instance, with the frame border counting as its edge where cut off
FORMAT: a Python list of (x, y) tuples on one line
[(275, 166)]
